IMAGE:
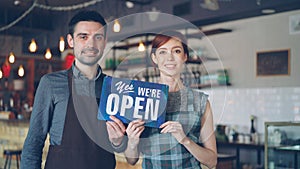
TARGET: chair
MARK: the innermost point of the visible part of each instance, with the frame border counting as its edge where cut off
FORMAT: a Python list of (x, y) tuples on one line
[(9, 154)]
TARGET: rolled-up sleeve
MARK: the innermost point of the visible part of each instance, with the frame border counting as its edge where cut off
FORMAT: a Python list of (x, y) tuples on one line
[(39, 126), (122, 147)]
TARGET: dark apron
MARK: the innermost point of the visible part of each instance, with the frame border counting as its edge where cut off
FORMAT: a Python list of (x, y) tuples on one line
[(77, 150)]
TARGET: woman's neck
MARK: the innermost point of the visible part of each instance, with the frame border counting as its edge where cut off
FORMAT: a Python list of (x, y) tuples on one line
[(175, 84)]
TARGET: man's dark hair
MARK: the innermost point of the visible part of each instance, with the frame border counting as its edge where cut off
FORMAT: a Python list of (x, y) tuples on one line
[(86, 16)]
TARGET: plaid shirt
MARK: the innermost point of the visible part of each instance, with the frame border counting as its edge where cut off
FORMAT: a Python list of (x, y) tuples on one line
[(163, 150)]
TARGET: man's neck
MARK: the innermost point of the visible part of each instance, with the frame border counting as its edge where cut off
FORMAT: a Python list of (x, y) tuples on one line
[(90, 71)]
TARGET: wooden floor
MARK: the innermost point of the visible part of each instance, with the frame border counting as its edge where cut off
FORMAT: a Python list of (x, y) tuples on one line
[(122, 164), (125, 165)]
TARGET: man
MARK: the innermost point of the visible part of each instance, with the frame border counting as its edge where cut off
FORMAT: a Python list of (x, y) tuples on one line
[(65, 107)]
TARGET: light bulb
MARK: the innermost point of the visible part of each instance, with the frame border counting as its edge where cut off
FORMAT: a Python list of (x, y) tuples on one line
[(11, 102), (129, 4), (11, 58), (21, 71), (1, 74), (17, 2), (61, 44), (48, 54), (32, 47), (117, 26), (141, 47)]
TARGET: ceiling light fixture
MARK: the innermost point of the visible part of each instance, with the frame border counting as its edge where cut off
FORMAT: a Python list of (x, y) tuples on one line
[(21, 71), (268, 11), (210, 4), (48, 54), (17, 2), (141, 47), (32, 47), (11, 58), (153, 14), (116, 26), (129, 4), (61, 44), (258, 2)]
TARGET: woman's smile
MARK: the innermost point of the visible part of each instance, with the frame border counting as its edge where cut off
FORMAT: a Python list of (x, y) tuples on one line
[(170, 65)]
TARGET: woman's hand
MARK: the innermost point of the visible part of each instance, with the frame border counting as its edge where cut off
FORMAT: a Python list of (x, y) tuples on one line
[(175, 128), (134, 131)]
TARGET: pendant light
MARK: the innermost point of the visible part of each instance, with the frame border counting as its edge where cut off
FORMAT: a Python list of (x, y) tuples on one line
[(141, 47), (21, 71), (11, 58), (116, 26), (129, 4), (61, 44), (48, 54), (32, 47)]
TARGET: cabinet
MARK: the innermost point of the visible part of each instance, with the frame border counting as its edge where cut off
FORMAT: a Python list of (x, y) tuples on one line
[(282, 145), (138, 65)]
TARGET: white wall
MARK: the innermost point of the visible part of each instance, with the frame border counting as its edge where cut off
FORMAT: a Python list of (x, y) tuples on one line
[(238, 48), (271, 98)]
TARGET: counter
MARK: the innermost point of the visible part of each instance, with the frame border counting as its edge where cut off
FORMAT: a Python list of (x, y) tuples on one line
[(259, 148), (12, 135)]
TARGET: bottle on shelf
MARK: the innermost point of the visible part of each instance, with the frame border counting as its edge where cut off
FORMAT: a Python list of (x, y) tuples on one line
[(253, 132), (197, 76), (223, 78), (1, 104)]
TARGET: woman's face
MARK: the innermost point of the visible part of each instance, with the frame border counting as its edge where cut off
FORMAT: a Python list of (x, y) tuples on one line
[(170, 58)]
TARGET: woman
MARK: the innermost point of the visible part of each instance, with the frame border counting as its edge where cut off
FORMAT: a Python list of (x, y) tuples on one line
[(187, 138)]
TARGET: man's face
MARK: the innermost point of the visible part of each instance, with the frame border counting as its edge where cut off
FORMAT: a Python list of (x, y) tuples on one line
[(88, 42)]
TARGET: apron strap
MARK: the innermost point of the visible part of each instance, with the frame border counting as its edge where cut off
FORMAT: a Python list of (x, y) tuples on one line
[(70, 75), (190, 97)]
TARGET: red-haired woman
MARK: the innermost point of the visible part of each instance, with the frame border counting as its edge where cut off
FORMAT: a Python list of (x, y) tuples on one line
[(186, 139)]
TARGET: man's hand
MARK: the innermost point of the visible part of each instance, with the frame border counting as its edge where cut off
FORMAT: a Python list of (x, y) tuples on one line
[(116, 130), (134, 131)]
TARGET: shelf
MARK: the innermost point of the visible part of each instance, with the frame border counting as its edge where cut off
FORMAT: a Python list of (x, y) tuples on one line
[(289, 148), (126, 67), (131, 64), (200, 86), (26, 121), (208, 33), (193, 35), (201, 60), (126, 47), (194, 61)]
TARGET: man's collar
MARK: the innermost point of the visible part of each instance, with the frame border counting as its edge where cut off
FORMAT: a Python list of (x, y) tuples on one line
[(79, 75)]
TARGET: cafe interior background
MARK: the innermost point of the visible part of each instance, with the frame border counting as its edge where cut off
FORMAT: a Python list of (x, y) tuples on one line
[(252, 75)]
